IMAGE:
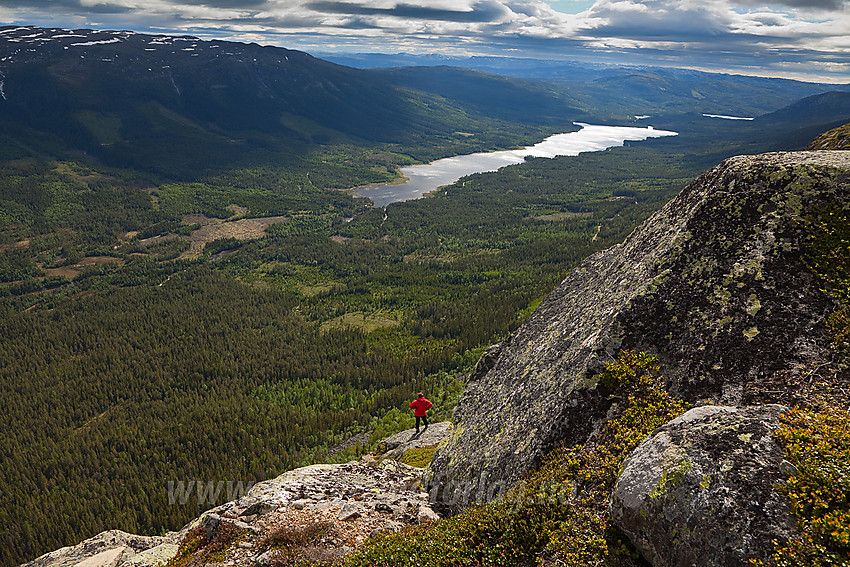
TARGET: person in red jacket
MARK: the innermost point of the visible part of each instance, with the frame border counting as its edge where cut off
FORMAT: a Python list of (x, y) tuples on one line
[(420, 407)]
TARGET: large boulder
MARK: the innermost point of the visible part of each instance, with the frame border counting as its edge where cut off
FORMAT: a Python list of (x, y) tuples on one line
[(701, 490), (713, 283)]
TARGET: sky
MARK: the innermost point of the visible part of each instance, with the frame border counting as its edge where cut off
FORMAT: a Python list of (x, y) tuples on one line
[(800, 39)]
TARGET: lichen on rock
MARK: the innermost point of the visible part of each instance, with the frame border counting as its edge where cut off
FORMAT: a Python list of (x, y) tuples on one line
[(835, 139), (713, 284), (701, 490)]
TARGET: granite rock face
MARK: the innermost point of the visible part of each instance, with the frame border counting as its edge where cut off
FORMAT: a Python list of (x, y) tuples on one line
[(713, 284), (700, 491)]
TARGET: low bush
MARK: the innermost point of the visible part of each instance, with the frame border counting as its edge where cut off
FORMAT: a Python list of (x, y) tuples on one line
[(302, 545)]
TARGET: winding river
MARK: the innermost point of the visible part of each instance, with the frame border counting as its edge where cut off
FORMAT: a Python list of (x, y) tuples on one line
[(425, 178)]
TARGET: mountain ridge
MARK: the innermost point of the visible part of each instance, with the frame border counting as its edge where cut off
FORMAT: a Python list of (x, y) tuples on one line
[(686, 89), (134, 99)]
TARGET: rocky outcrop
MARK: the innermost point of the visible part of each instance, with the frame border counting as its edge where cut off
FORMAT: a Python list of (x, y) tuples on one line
[(113, 548), (835, 139), (713, 284), (357, 499), (700, 491), (397, 445)]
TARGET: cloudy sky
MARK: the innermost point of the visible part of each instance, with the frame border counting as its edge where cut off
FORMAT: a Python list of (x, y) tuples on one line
[(806, 39)]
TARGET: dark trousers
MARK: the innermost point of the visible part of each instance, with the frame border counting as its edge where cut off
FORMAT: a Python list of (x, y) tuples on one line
[(424, 419)]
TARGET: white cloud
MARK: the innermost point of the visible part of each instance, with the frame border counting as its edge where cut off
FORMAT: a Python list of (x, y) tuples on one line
[(783, 36)]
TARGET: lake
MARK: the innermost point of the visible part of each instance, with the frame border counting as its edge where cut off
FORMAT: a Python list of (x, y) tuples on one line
[(425, 178)]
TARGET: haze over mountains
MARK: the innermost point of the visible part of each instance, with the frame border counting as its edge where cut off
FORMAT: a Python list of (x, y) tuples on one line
[(641, 87)]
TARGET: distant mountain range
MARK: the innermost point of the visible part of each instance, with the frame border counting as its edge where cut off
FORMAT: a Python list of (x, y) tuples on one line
[(634, 89), (181, 107), (134, 99)]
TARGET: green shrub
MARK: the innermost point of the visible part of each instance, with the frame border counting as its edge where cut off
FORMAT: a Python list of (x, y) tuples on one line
[(196, 549), (817, 437), (194, 540), (818, 444)]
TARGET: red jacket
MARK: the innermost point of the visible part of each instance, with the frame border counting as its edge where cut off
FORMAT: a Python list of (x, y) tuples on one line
[(420, 407)]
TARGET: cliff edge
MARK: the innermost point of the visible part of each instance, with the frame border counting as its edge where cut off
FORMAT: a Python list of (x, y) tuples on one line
[(349, 503), (714, 284)]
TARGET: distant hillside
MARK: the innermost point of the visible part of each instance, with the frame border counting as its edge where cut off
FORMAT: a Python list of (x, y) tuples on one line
[(625, 89), (807, 118), (136, 100), (823, 107), (509, 99)]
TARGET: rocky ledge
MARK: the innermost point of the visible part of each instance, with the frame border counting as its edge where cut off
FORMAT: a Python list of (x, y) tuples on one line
[(714, 284), (353, 501)]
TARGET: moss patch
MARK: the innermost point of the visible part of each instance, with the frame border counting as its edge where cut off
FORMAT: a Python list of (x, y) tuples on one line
[(419, 457), (671, 478)]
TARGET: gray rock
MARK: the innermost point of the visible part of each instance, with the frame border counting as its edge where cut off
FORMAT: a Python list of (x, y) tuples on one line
[(700, 491), (396, 445), (266, 559), (212, 523), (108, 558), (156, 556), (835, 139), (392, 527), (713, 283), (426, 514), (258, 509), (486, 363), (350, 511), (367, 480), (114, 547)]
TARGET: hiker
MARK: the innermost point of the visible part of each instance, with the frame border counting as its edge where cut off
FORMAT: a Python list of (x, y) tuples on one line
[(420, 407)]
